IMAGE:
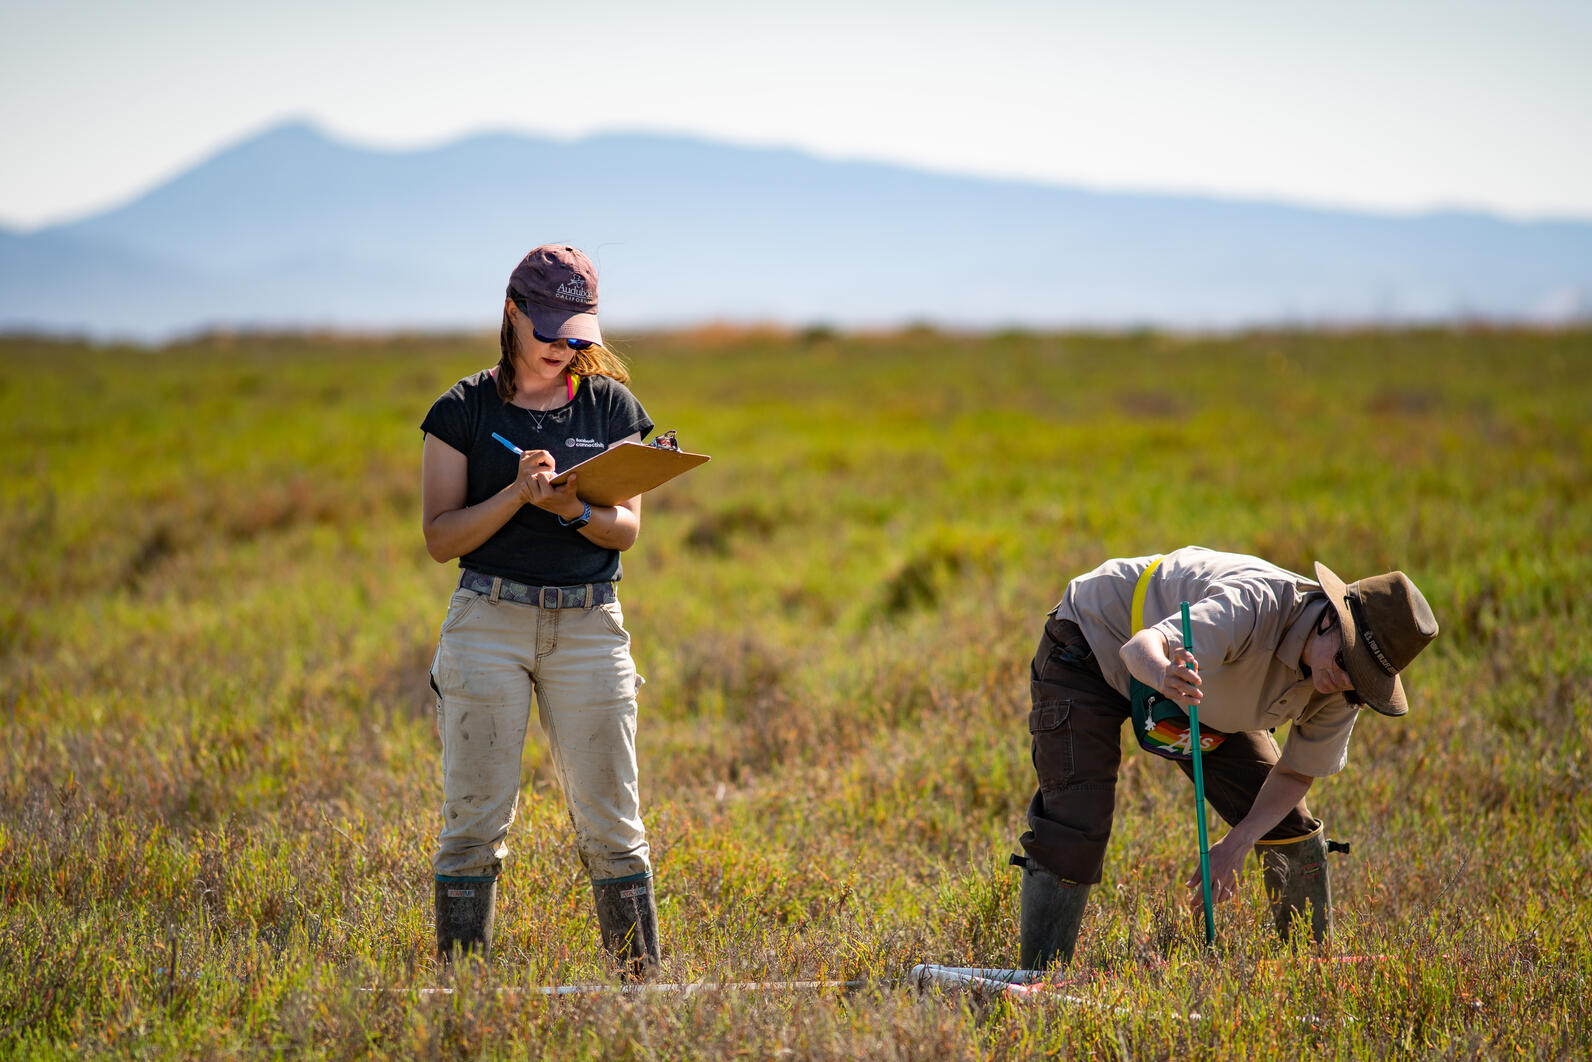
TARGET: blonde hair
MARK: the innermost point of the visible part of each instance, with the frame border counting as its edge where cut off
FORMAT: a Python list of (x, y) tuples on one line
[(595, 360)]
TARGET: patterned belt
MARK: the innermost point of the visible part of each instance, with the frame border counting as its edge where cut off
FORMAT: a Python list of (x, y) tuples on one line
[(585, 596)]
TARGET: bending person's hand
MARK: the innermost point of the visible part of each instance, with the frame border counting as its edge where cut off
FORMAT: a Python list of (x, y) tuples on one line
[(1174, 673), (1227, 862)]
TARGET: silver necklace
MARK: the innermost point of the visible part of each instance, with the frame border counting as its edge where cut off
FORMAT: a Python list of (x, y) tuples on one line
[(537, 416)]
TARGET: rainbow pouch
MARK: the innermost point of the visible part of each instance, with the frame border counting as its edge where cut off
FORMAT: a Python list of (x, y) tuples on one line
[(1161, 726)]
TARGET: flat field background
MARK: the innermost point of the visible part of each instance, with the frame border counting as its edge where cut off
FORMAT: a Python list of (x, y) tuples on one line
[(219, 789)]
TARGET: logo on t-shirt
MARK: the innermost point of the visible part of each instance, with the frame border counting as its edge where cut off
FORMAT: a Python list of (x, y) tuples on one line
[(574, 443)]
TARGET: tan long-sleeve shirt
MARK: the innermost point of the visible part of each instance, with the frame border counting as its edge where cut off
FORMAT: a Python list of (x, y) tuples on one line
[(1250, 621)]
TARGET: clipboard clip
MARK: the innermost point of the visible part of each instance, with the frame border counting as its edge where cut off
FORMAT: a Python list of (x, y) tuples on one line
[(666, 441)]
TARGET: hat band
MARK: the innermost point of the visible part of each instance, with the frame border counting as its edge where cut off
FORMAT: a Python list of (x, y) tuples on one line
[(1367, 635)]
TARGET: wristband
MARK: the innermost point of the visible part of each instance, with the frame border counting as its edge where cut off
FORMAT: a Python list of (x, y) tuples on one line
[(579, 522)]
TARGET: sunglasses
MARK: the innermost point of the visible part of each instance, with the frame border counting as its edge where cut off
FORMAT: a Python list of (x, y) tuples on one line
[(574, 344), (1329, 620)]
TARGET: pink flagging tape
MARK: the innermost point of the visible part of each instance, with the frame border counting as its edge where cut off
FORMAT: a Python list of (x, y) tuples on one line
[(988, 981), (1348, 960)]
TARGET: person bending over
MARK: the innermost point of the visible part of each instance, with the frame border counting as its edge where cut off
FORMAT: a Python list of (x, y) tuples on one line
[(1269, 647)]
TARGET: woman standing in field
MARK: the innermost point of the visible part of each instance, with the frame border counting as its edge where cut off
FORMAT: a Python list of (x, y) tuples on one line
[(536, 612)]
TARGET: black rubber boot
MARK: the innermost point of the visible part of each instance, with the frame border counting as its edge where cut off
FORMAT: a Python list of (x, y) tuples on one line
[(464, 918), (1296, 879), (628, 916), (1052, 911)]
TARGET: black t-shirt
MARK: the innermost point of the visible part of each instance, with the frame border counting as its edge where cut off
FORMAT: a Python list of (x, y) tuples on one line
[(532, 547)]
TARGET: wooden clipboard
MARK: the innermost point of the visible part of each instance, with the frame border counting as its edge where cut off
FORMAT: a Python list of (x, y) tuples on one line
[(627, 470)]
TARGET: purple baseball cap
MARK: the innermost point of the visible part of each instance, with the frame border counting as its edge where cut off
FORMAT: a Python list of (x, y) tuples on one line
[(556, 287)]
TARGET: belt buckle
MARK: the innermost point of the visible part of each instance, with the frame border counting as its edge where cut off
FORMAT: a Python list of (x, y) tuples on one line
[(541, 597)]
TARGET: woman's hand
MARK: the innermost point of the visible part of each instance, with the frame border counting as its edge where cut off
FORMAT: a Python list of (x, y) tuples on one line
[(532, 462), (535, 484)]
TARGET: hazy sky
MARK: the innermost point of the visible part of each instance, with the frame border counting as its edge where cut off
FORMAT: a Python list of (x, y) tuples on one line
[(1368, 103)]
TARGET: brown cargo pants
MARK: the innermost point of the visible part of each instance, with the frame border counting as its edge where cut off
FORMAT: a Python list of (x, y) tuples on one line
[(1076, 732)]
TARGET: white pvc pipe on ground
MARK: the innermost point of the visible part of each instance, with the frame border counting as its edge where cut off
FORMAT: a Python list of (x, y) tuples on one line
[(685, 989)]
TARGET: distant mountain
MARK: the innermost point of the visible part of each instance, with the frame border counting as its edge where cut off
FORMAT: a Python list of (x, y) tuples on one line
[(292, 228)]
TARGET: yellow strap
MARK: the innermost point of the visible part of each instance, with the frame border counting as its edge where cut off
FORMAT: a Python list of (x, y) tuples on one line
[(1140, 589)]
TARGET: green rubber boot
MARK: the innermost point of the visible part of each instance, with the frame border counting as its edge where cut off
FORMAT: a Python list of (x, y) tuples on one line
[(465, 910), (1296, 880), (1052, 911), (627, 914)]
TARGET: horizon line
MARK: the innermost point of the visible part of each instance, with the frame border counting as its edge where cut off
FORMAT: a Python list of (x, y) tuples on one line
[(354, 141)]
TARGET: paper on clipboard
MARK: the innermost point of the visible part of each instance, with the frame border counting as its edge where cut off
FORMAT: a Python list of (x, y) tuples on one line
[(626, 470)]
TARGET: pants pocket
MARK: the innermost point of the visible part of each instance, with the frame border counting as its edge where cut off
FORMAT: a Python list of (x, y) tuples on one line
[(431, 677), (1063, 653), (1051, 740), (1048, 716), (459, 606), (613, 618)]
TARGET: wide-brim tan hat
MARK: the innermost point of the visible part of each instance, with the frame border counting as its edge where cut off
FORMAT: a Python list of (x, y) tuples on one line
[(1386, 623)]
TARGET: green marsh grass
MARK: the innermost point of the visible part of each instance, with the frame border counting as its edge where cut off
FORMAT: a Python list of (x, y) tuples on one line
[(219, 787)]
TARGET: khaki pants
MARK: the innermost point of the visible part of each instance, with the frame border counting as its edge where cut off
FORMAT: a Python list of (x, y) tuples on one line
[(1076, 729), (493, 655)]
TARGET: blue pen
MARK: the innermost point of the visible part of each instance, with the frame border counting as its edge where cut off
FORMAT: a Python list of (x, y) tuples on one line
[(505, 442)]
